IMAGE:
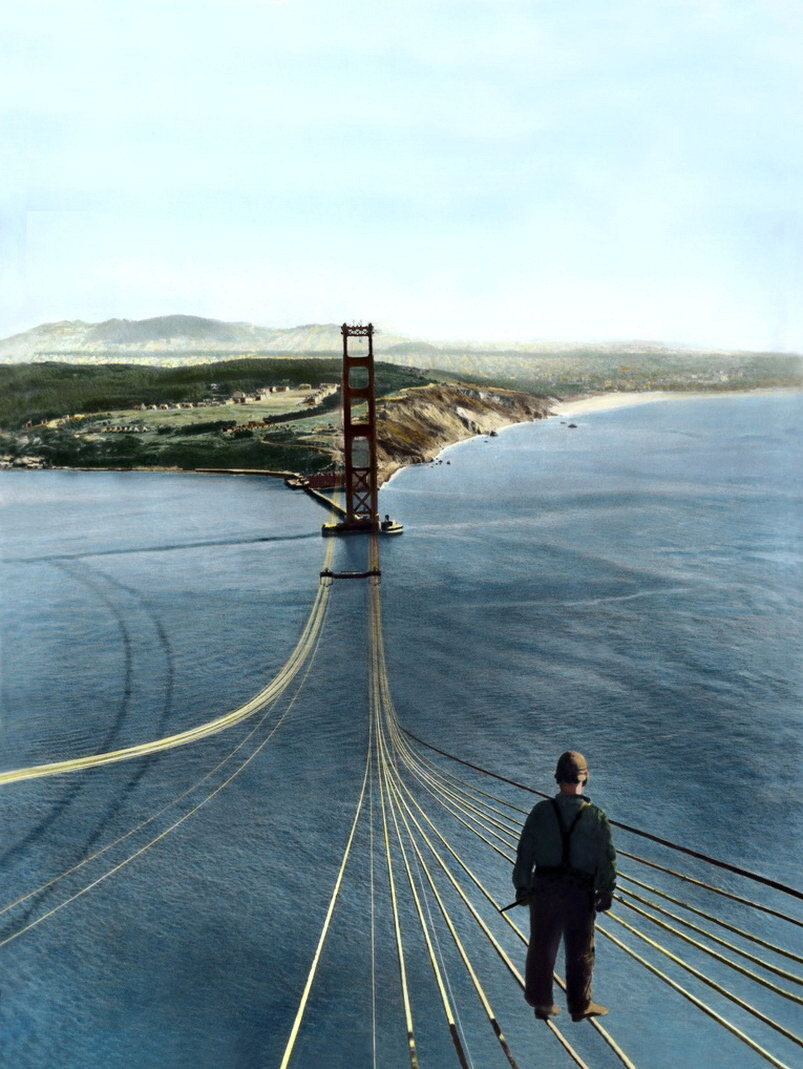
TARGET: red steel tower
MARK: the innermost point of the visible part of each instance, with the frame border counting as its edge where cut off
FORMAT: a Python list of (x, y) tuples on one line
[(359, 428), (359, 436)]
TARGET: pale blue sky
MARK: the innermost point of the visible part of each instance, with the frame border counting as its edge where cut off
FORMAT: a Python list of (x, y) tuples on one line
[(463, 169)]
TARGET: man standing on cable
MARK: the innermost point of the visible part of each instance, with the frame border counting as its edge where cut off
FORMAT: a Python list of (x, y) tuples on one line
[(566, 870)]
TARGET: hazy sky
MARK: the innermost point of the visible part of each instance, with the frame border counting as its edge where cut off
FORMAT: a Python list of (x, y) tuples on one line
[(500, 169)]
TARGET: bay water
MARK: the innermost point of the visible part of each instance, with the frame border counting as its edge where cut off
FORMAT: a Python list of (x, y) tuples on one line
[(629, 587)]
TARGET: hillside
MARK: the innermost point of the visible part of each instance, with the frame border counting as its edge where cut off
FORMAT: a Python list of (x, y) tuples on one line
[(187, 341), (168, 340), (415, 426), (244, 414)]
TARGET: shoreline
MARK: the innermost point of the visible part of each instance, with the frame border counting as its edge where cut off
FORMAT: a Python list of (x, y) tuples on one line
[(578, 406), (605, 402), (610, 401)]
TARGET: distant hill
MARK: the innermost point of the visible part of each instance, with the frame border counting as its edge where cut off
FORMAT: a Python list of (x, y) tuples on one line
[(179, 340), (170, 337)]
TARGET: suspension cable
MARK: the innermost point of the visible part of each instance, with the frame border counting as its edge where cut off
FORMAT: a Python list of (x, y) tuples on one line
[(460, 947), (712, 887), (709, 935), (719, 988), (716, 955), (710, 916), (725, 943), (156, 839), (767, 881), (384, 693), (142, 824), (393, 784), (439, 979), (695, 1000), (740, 1002), (254, 704), (489, 897), (408, 1014), (326, 923)]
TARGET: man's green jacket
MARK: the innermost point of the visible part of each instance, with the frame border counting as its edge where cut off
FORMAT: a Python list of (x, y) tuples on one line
[(541, 844)]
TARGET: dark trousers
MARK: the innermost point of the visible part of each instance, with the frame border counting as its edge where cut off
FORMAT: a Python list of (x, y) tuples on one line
[(559, 908)]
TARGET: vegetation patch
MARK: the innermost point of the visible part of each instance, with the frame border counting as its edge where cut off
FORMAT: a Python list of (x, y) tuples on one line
[(130, 416)]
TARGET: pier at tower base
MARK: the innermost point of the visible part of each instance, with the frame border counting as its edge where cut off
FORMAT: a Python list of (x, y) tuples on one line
[(364, 526)]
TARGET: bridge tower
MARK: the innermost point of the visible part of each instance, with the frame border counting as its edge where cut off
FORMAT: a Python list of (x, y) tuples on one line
[(359, 437), (359, 432)]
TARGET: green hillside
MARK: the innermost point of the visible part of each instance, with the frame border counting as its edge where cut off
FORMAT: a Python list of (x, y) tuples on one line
[(35, 393)]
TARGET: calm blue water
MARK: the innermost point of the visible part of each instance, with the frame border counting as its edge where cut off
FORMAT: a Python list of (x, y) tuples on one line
[(630, 588)]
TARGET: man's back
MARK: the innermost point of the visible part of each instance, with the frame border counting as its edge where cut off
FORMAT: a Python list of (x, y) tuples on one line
[(567, 841), (591, 846)]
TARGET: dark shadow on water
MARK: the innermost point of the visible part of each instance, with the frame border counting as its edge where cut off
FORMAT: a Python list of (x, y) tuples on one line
[(164, 549)]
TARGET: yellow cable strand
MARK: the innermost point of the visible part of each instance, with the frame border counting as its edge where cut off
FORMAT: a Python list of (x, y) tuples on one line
[(291, 1041), (391, 716), (467, 823), (711, 983), (446, 799), (254, 704), (464, 799), (449, 809), (550, 1024), (152, 842), (712, 887), (435, 792), (403, 745), (714, 954), (391, 791), (374, 714), (757, 877), (372, 892), (142, 824), (488, 813), (569, 1049), (393, 786), (497, 946), (460, 947), (710, 917), (757, 1013), (767, 1020), (445, 1001), (509, 921), (710, 935), (440, 790), (489, 935), (747, 935), (169, 805), (696, 1001), (408, 1015)]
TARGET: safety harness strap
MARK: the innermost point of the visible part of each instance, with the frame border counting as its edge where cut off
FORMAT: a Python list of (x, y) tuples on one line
[(566, 834)]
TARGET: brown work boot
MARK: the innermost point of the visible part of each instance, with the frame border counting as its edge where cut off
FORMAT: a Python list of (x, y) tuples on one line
[(543, 1013), (593, 1009)]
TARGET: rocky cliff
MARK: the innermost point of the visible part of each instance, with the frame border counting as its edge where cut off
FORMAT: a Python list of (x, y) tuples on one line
[(415, 425)]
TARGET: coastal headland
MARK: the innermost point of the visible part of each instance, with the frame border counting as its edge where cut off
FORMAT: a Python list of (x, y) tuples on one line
[(413, 427), (281, 413)]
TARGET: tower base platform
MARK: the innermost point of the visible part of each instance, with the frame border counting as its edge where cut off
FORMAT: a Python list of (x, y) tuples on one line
[(386, 527)]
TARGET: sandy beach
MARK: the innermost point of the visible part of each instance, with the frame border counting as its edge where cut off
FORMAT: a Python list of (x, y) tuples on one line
[(602, 402), (616, 399)]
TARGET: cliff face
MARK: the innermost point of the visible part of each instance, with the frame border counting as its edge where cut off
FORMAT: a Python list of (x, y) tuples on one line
[(414, 426)]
